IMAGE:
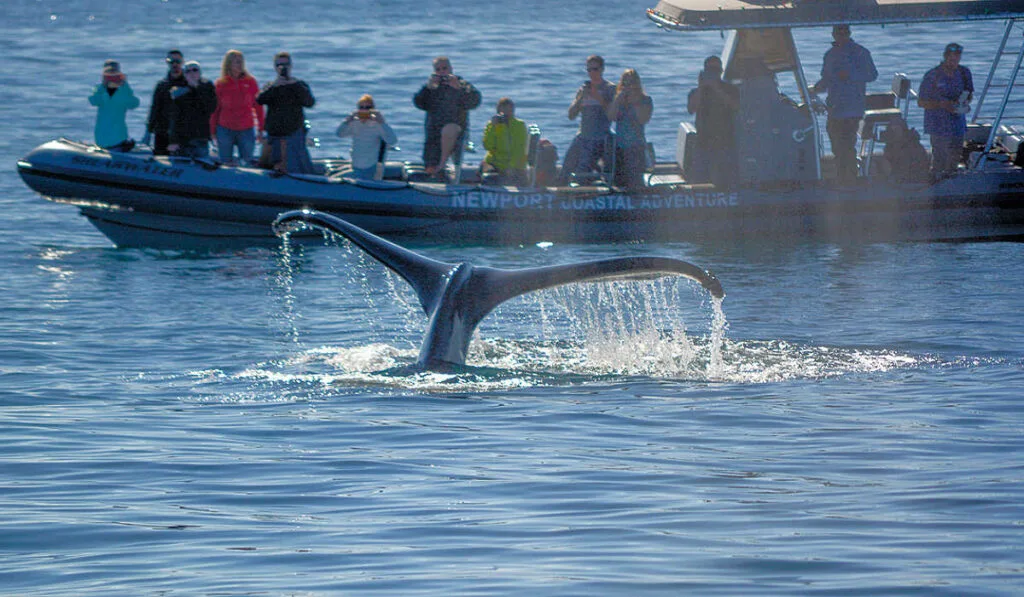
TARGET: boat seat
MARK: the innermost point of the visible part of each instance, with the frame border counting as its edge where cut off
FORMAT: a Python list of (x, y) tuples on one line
[(904, 93), (533, 148), (880, 101), (875, 123)]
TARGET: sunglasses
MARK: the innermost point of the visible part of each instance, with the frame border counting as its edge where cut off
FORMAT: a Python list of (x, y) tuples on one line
[(591, 69), (954, 48), (192, 69), (174, 61), (280, 64), (365, 107)]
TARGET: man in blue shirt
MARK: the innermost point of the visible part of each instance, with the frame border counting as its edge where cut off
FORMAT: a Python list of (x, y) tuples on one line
[(845, 73), (945, 95)]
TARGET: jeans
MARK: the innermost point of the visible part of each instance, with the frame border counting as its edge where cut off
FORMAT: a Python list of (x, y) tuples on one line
[(583, 156), (945, 155), (228, 139), (365, 173), (296, 155), (842, 133)]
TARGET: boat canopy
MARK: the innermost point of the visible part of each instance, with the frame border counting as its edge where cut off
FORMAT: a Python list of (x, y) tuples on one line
[(698, 15)]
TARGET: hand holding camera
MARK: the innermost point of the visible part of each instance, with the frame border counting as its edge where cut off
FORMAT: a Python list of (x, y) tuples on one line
[(113, 81), (283, 74)]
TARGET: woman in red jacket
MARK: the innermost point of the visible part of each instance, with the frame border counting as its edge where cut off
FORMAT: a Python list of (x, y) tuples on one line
[(232, 123)]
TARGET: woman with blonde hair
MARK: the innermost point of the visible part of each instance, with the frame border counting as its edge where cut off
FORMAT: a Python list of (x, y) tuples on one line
[(232, 123), (630, 111)]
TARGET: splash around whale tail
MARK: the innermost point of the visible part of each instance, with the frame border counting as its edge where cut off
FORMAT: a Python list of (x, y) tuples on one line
[(457, 297)]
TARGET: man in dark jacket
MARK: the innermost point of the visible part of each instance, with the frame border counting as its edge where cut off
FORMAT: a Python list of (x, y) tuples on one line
[(191, 108), (285, 125), (715, 102), (159, 111), (447, 100)]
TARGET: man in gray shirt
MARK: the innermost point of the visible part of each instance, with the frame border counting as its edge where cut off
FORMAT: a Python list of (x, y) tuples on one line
[(591, 104)]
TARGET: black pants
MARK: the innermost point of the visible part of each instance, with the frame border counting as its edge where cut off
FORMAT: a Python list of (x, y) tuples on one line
[(842, 133), (160, 143)]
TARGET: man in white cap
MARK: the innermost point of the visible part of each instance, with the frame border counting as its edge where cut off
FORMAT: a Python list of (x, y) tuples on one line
[(191, 108)]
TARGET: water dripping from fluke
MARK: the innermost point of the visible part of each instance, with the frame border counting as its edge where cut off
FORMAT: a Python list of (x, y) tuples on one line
[(457, 297)]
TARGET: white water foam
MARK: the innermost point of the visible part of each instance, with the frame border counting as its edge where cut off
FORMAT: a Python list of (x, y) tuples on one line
[(666, 328)]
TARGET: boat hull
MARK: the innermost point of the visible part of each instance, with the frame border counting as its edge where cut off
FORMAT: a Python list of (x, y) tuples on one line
[(137, 200)]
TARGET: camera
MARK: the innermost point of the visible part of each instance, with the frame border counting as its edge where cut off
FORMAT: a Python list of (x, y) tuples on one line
[(500, 118)]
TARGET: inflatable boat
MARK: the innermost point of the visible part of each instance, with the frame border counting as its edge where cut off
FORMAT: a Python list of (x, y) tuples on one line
[(785, 187)]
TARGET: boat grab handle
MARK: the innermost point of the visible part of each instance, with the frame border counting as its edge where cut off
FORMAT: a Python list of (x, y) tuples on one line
[(799, 135)]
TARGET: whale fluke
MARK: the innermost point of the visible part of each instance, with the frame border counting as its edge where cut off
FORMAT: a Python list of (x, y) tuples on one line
[(456, 297)]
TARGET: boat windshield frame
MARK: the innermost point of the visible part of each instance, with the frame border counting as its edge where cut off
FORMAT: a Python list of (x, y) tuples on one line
[(719, 15)]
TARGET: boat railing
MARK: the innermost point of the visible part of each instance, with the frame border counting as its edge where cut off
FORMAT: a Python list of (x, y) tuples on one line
[(1004, 120)]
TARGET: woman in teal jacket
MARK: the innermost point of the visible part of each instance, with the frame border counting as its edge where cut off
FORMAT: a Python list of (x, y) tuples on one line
[(505, 139), (113, 97)]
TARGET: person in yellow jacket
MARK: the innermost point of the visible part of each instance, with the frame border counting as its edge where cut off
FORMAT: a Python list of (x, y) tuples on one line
[(506, 140)]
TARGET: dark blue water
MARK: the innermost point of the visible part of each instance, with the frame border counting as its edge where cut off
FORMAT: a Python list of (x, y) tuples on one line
[(241, 423)]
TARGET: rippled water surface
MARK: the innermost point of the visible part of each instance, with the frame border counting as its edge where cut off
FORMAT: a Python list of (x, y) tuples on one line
[(248, 423)]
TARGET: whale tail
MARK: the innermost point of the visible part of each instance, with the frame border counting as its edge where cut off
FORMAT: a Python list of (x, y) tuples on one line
[(457, 297), (425, 275)]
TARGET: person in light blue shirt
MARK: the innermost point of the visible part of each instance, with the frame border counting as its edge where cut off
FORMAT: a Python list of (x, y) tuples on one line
[(368, 130), (945, 95), (845, 73), (114, 97)]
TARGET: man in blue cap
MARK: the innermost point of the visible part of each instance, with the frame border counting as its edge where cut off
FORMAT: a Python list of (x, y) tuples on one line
[(945, 95), (845, 73)]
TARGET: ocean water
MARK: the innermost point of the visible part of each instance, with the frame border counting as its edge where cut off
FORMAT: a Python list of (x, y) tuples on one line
[(245, 423)]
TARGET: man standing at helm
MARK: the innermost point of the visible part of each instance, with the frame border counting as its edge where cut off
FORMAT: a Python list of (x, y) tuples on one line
[(845, 73)]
